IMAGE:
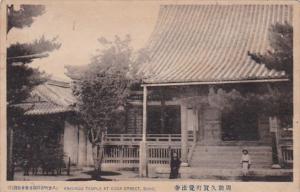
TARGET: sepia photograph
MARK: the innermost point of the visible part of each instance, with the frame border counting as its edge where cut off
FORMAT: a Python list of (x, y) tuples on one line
[(150, 91)]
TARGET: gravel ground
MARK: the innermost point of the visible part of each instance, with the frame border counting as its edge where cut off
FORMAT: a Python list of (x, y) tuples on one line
[(126, 175)]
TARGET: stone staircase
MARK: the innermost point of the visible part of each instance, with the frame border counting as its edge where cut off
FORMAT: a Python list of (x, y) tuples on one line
[(228, 157), (223, 163)]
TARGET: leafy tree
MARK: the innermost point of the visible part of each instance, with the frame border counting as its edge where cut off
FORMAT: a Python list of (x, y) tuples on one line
[(103, 90), (24, 16), (280, 54), (279, 57), (269, 99), (21, 78)]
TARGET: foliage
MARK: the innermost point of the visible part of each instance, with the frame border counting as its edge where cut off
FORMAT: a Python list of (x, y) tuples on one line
[(24, 16), (279, 57), (103, 90), (38, 46), (105, 86), (45, 145), (234, 100), (272, 102), (280, 54), (21, 78)]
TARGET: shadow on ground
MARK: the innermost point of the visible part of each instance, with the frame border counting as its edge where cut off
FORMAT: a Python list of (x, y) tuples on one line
[(92, 174), (89, 179), (103, 173)]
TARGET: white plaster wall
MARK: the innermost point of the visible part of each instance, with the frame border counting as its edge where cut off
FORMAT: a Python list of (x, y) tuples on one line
[(90, 161), (71, 142), (82, 147)]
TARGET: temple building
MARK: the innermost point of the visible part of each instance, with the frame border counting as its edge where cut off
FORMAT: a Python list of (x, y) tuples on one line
[(198, 53), (50, 117)]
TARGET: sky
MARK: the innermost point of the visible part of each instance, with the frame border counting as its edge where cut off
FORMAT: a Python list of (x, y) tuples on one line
[(79, 25)]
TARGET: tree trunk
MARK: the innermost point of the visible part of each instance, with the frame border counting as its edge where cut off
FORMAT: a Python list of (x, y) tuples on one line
[(98, 151)]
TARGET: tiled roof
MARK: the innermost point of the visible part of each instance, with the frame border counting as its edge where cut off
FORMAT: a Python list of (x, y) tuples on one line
[(43, 108), (55, 92), (49, 98), (210, 43)]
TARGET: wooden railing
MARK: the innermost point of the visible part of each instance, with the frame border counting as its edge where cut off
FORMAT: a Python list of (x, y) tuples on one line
[(162, 154), (122, 150), (128, 155), (120, 154), (151, 138), (287, 154), (286, 144), (284, 138)]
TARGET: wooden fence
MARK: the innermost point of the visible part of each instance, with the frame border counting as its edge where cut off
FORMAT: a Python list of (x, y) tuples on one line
[(151, 138), (287, 154), (284, 142), (128, 155)]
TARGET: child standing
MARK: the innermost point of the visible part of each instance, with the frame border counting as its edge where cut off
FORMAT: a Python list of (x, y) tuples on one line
[(246, 162)]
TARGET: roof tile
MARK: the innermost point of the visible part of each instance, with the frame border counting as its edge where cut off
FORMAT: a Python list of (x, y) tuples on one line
[(201, 43)]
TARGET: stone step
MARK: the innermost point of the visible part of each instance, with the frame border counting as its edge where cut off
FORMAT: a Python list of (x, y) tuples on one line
[(222, 154), (226, 163), (218, 166), (229, 153), (229, 156), (234, 148), (229, 159), (203, 153)]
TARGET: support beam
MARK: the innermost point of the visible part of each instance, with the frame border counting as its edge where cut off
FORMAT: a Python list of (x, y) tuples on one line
[(195, 127), (162, 112), (144, 113), (143, 167), (10, 159), (214, 82), (184, 136)]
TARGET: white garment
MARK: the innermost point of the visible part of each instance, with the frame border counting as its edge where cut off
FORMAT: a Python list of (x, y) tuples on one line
[(245, 161)]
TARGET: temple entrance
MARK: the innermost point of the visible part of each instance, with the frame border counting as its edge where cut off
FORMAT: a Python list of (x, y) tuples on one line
[(240, 126), (163, 121), (208, 126)]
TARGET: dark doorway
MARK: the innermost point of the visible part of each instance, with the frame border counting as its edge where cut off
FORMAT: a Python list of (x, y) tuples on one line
[(171, 118), (240, 125)]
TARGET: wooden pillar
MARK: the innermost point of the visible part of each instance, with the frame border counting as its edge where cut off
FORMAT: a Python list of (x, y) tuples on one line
[(143, 167), (162, 112), (195, 128), (10, 159), (275, 128), (184, 136), (144, 113)]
